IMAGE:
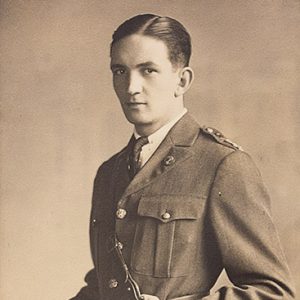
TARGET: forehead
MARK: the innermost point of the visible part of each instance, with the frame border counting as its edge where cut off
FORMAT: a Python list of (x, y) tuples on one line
[(137, 49)]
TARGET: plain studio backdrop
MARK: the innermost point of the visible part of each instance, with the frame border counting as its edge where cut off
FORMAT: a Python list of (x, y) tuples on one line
[(61, 119)]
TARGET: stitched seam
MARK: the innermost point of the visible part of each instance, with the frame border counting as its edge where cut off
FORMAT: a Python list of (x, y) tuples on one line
[(171, 252)]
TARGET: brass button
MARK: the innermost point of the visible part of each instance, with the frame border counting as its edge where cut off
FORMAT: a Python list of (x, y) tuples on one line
[(166, 216), (121, 213), (113, 283), (169, 160), (94, 222)]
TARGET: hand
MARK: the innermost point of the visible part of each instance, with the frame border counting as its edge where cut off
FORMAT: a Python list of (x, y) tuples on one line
[(149, 297)]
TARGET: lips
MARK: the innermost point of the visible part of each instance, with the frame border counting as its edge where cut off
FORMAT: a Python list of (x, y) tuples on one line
[(134, 104)]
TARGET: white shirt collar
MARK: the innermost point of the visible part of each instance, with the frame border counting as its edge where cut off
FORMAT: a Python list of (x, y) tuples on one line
[(156, 138)]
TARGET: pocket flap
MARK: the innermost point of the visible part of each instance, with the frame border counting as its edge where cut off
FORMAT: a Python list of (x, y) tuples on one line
[(167, 208)]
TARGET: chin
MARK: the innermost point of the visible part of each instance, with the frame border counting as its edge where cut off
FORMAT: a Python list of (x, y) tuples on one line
[(138, 123), (137, 119)]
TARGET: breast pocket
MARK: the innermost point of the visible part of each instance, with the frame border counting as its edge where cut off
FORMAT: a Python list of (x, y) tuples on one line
[(166, 235)]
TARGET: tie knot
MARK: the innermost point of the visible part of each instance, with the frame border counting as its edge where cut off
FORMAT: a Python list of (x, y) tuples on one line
[(139, 143), (135, 162)]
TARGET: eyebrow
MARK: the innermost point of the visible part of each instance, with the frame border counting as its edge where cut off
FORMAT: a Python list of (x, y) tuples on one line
[(115, 66), (141, 65), (147, 64)]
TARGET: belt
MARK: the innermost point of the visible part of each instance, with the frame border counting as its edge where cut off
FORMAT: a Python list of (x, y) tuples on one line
[(115, 246), (190, 297)]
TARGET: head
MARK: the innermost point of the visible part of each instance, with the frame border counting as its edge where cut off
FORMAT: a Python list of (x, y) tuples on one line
[(150, 64)]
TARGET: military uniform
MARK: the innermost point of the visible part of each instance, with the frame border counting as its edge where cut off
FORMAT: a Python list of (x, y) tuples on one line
[(197, 206)]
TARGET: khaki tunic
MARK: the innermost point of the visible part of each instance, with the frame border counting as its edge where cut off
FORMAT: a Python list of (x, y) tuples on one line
[(197, 207)]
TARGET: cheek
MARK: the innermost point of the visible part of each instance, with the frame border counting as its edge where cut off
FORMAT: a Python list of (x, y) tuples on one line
[(163, 93), (166, 85), (118, 87)]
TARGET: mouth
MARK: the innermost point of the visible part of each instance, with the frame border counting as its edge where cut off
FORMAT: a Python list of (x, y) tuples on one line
[(135, 104)]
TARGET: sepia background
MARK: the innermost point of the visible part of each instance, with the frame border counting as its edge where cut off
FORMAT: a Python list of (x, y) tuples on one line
[(60, 119)]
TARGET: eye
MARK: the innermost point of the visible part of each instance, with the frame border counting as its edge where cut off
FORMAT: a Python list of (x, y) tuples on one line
[(119, 71), (149, 71)]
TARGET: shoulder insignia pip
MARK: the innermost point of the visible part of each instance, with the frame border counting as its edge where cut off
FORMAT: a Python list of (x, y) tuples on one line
[(220, 138)]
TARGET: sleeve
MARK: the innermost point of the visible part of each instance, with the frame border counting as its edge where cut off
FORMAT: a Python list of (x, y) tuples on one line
[(239, 213), (90, 291)]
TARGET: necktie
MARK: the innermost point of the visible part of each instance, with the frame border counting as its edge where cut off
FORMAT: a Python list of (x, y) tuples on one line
[(135, 162)]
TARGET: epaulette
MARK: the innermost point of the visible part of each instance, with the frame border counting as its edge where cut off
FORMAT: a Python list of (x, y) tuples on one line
[(220, 138)]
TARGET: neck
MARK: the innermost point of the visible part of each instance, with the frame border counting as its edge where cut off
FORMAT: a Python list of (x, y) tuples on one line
[(148, 129)]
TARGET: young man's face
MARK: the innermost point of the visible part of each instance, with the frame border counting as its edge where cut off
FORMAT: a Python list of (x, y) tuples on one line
[(145, 82)]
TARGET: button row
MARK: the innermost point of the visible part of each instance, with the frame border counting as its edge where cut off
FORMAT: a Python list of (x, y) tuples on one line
[(121, 214), (166, 216), (113, 283)]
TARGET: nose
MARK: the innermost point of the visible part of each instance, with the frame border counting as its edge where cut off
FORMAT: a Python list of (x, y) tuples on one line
[(134, 83)]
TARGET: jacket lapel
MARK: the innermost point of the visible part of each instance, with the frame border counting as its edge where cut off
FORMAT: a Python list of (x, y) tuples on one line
[(120, 174), (174, 149)]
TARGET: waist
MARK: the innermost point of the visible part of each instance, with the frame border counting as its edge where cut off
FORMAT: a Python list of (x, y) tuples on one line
[(190, 297)]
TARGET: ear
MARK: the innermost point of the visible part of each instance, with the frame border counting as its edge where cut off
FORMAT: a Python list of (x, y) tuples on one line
[(186, 77)]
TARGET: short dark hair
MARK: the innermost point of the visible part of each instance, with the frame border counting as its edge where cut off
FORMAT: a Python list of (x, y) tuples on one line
[(166, 29)]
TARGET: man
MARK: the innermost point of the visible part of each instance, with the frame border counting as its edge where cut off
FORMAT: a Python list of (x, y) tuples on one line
[(179, 203)]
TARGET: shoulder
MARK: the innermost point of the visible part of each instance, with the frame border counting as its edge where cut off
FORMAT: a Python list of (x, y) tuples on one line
[(235, 169), (216, 136), (231, 160), (213, 146), (108, 165)]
